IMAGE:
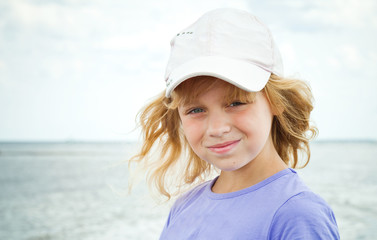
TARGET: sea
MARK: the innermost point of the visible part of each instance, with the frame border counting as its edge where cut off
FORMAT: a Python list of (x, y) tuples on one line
[(78, 191)]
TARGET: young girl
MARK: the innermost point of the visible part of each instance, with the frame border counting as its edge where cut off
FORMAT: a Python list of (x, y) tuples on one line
[(227, 107)]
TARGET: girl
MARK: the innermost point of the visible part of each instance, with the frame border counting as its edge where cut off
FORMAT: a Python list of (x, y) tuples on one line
[(227, 107)]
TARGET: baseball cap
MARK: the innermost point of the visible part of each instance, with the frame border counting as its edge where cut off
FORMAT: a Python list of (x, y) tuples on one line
[(229, 44)]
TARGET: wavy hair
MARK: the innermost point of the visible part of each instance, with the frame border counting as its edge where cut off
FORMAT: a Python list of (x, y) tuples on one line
[(169, 161)]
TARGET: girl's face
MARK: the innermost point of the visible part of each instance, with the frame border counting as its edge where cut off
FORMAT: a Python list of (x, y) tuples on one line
[(228, 135)]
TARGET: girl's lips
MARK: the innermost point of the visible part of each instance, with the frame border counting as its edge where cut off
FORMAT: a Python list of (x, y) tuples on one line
[(223, 147)]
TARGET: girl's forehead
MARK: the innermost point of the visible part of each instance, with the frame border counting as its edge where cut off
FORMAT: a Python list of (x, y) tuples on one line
[(190, 90), (195, 87), (202, 82)]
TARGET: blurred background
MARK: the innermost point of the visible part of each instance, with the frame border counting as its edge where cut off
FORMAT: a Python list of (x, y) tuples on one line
[(80, 69), (74, 74)]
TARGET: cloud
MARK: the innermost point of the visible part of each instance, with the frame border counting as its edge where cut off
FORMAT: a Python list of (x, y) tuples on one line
[(30, 15), (351, 56), (319, 15)]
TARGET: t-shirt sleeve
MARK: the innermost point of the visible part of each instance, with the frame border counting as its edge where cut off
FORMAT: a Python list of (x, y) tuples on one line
[(304, 216)]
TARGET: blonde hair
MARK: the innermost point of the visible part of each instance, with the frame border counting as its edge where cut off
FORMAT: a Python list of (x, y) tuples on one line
[(290, 99)]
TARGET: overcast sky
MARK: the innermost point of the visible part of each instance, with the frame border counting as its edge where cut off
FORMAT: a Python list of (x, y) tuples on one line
[(81, 69)]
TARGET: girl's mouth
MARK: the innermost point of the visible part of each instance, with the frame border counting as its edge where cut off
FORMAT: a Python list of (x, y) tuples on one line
[(223, 147)]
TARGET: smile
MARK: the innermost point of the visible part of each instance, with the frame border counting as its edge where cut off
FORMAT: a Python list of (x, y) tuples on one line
[(223, 147)]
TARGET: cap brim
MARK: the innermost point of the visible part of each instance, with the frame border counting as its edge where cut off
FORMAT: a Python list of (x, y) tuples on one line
[(240, 73)]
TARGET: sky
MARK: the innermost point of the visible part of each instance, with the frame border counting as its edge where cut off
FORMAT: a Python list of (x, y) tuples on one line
[(80, 70)]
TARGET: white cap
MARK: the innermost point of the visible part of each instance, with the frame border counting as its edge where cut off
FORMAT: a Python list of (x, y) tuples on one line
[(228, 44)]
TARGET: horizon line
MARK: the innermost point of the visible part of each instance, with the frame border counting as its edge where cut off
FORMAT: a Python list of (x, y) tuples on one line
[(113, 141)]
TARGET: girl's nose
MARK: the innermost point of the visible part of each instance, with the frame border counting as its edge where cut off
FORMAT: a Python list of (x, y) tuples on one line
[(218, 125)]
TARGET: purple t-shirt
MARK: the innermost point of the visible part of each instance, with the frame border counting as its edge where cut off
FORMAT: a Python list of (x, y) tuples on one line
[(280, 207)]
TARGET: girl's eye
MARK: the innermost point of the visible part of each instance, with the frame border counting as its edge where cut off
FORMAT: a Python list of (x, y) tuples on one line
[(234, 104), (195, 110)]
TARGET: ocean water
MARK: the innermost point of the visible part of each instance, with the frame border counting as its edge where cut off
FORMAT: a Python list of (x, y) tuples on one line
[(76, 191)]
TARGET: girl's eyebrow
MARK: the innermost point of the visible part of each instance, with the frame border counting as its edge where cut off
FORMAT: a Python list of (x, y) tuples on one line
[(191, 105)]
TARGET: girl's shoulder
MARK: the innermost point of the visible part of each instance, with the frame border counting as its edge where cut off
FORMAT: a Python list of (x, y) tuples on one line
[(305, 204), (302, 215)]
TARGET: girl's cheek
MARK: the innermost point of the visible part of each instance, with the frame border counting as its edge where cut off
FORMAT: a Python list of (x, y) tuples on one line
[(188, 127), (192, 129), (243, 120)]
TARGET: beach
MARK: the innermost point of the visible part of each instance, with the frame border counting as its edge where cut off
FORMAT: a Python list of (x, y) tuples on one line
[(79, 191)]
